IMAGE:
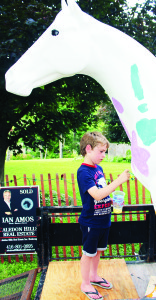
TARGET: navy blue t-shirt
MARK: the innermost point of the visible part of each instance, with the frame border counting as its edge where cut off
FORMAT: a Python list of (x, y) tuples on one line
[(95, 214)]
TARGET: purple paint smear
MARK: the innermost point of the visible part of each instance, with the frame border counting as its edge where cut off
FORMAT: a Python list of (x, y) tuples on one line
[(139, 156), (118, 105)]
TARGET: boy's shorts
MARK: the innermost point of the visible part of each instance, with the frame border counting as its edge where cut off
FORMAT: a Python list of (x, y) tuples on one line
[(94, 239)]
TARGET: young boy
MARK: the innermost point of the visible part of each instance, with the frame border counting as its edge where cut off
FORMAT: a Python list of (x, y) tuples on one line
[(95, 219)]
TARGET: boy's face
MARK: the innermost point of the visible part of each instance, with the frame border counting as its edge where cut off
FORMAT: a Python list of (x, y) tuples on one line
[(97, 154)]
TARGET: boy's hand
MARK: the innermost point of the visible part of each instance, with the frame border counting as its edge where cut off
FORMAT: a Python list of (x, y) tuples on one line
[(123, 177)]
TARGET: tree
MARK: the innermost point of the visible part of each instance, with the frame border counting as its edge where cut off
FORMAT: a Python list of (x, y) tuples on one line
[(113, 127), (142, 25), (68, 104)]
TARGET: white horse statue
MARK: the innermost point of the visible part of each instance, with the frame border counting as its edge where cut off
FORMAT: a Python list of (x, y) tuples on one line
[(76, 43)]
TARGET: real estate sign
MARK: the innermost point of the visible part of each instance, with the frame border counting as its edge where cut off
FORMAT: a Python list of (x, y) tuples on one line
[(18, 231)]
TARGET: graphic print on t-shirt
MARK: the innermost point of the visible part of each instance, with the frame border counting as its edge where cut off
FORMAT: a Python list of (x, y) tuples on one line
[(103, 206)]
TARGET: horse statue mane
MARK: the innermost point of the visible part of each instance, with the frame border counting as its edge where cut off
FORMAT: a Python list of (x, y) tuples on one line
[(76, 43)]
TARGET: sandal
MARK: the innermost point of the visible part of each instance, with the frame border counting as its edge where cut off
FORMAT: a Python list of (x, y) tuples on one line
[(92, 293), (98, 283)]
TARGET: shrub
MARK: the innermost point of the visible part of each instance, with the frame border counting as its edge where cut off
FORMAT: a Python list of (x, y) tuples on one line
[(52, 155), (117, 159), (128, 156), (128, 152), (21, 156)]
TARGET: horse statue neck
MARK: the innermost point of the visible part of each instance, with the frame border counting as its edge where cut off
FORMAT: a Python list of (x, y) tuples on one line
[(112, 55)]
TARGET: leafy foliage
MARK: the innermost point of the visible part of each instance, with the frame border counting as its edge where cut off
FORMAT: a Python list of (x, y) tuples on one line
[(113, 127)]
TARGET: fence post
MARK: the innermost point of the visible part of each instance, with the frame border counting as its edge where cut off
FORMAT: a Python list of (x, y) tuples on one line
[(67, 204), (42, 190), (75, 204), (150, 257), (59, 203)]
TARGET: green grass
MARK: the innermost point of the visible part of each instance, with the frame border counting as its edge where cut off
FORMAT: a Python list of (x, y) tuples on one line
[(68, 166), (14, 268), (53, 166)]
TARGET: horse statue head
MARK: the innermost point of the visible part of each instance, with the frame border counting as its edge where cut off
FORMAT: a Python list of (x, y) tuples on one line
[(61, 51)]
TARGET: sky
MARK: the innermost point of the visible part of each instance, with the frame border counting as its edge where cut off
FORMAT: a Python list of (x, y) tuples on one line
[(133, 2)]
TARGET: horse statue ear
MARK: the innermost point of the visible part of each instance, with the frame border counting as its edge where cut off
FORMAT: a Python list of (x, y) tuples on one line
[(63, 4), (72, 5), (75, 10)]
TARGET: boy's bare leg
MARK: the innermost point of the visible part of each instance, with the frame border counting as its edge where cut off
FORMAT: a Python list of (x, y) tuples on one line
[(94, 267), (86, 286)]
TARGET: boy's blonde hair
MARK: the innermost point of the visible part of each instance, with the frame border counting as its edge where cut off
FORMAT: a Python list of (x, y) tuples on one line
[(92, 139)]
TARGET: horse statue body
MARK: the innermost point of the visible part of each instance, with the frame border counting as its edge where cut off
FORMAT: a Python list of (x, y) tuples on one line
[(76, 43)]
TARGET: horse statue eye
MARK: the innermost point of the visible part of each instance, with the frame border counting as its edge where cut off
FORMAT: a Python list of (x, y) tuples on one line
[(55, 32)]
